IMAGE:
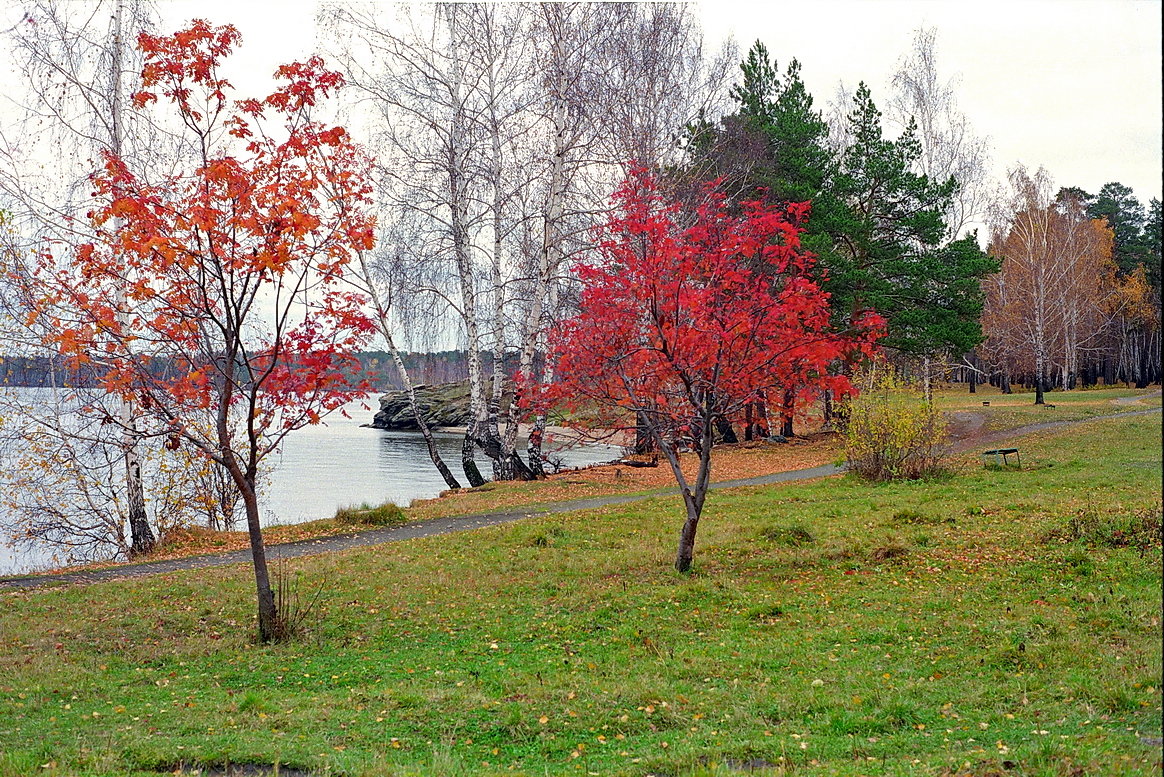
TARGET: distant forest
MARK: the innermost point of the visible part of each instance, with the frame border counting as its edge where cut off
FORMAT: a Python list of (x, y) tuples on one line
[(424, 368)]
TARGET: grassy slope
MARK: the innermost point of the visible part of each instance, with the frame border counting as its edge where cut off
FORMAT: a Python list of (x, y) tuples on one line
[(565, 645)]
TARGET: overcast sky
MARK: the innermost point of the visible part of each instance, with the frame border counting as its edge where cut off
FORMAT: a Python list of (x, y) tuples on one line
[(1073, 85)]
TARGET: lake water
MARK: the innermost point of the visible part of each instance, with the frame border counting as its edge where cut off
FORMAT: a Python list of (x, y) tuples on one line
[(342, 463)]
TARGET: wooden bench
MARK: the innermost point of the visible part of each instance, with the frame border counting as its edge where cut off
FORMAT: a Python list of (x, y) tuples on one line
[(1000, 456)]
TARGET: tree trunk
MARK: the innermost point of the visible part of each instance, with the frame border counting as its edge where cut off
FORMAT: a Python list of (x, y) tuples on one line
[(748, 422), (457, 173), (644, 443), (693, 498), (686, 553), (927, 381), (421, 424), (787, 412), (727, 434), (472, 474), (503, 464), (268, 613), (537, 434), (142, 537)]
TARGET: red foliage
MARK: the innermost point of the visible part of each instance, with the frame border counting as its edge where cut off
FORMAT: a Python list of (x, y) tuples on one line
[(691, 324), (223, 284)]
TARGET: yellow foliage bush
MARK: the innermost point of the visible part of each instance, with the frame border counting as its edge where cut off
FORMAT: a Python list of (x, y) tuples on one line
[(891, 432)]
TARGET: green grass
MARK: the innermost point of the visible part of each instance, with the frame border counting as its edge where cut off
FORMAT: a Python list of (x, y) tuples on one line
[(982, 623)]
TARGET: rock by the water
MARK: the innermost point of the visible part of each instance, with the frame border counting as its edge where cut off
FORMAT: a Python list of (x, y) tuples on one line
[(446, 404)]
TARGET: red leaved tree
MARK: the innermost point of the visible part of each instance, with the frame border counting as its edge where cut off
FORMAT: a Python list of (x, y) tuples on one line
[(686, 326), (215, 296)]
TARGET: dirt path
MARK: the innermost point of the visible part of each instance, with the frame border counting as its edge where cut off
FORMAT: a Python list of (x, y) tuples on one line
[(1134, 400), (438, 526)]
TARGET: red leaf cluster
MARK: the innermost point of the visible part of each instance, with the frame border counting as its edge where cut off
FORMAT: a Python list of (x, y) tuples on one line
[(692, 323), (224, 284)]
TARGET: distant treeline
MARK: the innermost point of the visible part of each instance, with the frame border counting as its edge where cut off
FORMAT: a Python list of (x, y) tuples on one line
[(427, 368)]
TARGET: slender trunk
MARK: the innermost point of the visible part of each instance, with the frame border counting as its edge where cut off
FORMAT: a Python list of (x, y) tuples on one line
[(763, 428), (693, 499), (549, 257), (503, 468), (686, 553), (748, 422), (268, 613), (142, 537), (927, 380), (458, 211), (537, 434), (405, 380), (421, 424), (503, 465), (1039, 368)]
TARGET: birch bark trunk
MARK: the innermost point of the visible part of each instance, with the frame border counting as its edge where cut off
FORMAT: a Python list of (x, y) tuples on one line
[(142, 536)]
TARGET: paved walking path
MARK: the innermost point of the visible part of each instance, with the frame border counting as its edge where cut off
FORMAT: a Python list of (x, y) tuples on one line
[(437, 526)]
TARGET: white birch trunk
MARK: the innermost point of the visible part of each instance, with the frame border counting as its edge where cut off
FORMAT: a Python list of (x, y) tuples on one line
[(142, 536)]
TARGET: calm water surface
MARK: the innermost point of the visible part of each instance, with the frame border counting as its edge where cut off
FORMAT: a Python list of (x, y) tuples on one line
[(342, 463)]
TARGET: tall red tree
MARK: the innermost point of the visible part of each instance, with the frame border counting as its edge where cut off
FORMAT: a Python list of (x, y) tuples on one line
[(686, 326), (215, 296)]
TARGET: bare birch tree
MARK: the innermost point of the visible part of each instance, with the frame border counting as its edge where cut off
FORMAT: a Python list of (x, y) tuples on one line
[(79, 64), (414, 70), (949, 146)]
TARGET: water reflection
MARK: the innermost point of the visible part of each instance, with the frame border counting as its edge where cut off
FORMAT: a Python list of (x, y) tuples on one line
[(341, 463)]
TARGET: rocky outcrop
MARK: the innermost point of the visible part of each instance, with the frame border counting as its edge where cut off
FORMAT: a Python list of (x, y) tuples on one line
[(446, 404)]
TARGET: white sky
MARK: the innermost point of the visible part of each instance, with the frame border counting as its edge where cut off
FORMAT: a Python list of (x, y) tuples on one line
[(1073, 85)]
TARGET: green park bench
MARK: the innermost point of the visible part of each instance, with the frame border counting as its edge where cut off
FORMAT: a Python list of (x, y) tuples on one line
[(1000, 455)]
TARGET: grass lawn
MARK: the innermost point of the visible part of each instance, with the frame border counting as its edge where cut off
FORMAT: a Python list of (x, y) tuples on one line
[(932, 628)]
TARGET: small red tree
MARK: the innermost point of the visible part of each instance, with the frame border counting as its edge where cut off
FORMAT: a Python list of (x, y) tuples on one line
[(686, 326), (215, 297)]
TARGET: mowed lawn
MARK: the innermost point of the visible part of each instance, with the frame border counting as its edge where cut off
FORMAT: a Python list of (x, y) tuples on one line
[(932, 628)]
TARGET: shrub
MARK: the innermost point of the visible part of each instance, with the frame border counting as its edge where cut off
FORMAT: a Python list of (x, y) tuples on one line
[(386, 514), (892, 433), (1139, 530)]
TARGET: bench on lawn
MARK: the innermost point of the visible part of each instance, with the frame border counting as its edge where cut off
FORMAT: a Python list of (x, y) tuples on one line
[(1000, 456)]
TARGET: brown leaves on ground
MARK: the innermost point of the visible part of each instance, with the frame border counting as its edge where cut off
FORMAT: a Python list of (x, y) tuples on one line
[(728, 462)]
